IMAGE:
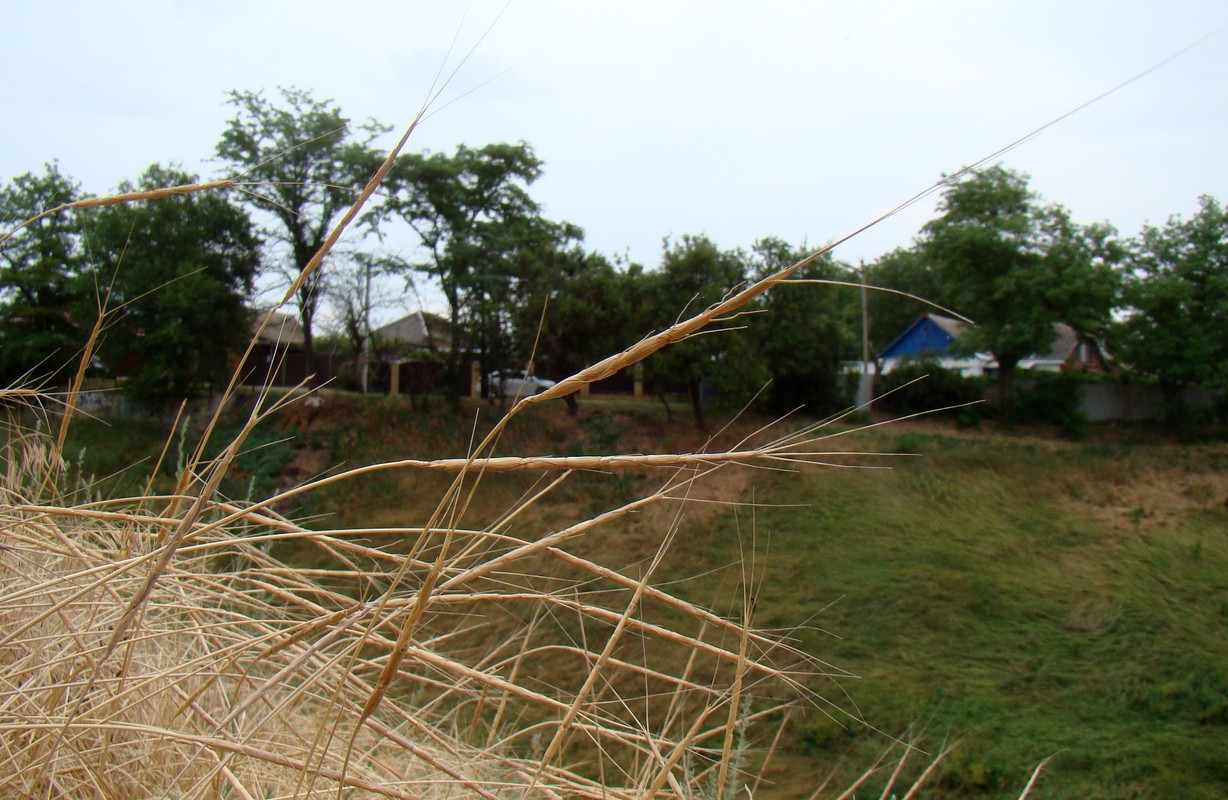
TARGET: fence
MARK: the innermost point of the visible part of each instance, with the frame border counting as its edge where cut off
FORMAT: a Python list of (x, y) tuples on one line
[(1102, 402)]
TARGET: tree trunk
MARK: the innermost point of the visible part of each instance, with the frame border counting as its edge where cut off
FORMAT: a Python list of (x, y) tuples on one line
[(1174, 408), (573, 408), (1006, 389), (452, 365), (307, 299), (669, 414), (697, 405), (309, 350)]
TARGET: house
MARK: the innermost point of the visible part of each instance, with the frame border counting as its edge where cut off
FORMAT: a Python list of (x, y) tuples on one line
[(934, 336), (277, 357), (418, 331), (1071, 351), (282, 330)]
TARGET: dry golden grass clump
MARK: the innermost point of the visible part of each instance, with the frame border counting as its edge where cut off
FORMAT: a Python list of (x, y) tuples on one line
[(226, 676), (151, 648)]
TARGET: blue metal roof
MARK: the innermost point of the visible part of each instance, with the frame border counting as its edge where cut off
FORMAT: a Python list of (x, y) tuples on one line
[(924, 337)]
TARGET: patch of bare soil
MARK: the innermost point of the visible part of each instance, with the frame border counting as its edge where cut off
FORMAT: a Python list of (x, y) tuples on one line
[(319, 411), (1161, 490)]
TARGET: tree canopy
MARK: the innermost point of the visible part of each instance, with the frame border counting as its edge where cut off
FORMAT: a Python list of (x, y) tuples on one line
[(694, 275), (905, 270), (1175, 322), (40, 266), (178, 271), (804, 332), (483, 239), (1016, 267), (521, 289)]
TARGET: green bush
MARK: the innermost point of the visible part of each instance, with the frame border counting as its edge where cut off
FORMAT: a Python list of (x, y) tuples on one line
[(266, 455), (935, 388), (1051, 398)]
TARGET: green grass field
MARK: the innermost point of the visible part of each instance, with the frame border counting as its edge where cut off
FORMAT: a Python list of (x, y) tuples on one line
[(1031, 598), (1027, 596)]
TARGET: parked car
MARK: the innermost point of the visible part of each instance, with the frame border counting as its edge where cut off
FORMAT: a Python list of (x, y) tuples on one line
[(516, 383)]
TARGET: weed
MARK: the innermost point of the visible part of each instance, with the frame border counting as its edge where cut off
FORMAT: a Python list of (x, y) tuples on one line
[(603, 433)]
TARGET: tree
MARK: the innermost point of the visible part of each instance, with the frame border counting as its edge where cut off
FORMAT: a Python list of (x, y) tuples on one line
[(480, 232), (1175, 326), (576, 309), (522, 264), (803, 333), (178, 270), (40, 265), (1016, 267), (310, 164), (695, 274)]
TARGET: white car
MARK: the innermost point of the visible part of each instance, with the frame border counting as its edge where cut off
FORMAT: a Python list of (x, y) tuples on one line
[(516, 383)]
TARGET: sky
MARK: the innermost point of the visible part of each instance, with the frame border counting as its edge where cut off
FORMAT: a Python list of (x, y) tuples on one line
[(736, 120)]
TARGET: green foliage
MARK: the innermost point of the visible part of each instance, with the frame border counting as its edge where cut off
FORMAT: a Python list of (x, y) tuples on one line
[(119, 454), (603, 434), (802, 334), (1175, 329), (990, 590), (962, 776), (696, 272), (40, 265), (177, 271), (901, 270), (1052, 398), (588, 310), (484, 242), (265, 455), (1016, 267), (739, 374), (923, 386)]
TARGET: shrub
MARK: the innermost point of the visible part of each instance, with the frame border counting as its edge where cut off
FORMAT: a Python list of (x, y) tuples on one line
[(935, 387), (1051, 398)]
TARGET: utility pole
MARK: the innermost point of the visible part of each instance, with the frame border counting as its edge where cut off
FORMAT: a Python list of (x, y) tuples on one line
[(865, 385), (366, 322)]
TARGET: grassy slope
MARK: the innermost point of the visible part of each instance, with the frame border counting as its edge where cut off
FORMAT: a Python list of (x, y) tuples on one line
[(1033, 598), (1030, 596)]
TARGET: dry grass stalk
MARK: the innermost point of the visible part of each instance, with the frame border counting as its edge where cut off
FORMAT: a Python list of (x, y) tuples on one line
[(238, 672)]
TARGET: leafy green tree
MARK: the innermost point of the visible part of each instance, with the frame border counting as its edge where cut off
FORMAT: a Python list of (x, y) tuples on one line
[(523, 263), (593, 309), (694, 275), (1175, 326), (481, 236), (40, 265), (178, 270), (578, 309), (309, 164), (804, 333), (1016, 267)]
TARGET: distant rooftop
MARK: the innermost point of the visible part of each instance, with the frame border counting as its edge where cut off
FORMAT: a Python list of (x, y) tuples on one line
[(282, 328)]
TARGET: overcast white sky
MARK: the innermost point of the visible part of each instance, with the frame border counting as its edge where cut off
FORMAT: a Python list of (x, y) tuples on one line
[(802, 120)]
